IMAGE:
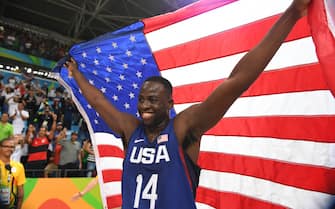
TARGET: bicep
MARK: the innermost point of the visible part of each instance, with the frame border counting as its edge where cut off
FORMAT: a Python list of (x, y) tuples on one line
[(121, 123), (203, 116)]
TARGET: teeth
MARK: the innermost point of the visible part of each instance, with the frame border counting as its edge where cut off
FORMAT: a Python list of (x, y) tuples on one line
[(146, 115)]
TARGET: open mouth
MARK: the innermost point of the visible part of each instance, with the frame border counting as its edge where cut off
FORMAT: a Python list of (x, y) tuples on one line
[(147, 115)]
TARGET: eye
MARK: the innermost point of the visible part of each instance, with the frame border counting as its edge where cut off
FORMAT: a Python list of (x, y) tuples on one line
[(153, 99)]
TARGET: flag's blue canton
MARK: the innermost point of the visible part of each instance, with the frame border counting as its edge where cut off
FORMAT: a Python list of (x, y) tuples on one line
[(117, 63)]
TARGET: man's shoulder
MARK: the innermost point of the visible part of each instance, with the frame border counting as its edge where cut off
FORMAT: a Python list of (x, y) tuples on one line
[(16, 164)]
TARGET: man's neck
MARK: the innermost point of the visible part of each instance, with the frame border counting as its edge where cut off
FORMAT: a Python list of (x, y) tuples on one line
[(4, 159)]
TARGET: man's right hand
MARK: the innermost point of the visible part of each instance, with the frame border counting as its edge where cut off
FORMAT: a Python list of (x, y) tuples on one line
[(71, 65)]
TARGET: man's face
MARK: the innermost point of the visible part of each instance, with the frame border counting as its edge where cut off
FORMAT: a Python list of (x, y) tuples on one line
[(74, 137), (154, 103), (7, 148), (47, 110), (4, 118), (20, 106), (59, 127), (42, 132)]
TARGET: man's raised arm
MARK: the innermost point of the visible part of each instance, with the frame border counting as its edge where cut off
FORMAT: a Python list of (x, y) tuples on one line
[(205, 115), (121, 123)]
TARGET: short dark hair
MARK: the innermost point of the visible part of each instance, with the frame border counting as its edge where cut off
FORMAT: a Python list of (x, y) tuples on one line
[(165, 82), (5, 139)]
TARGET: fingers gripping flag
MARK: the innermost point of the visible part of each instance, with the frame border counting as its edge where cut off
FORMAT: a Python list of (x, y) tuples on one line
[(275, 146)]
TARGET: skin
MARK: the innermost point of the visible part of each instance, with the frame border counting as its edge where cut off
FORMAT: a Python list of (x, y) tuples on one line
[(88, 188), (42, 131), (6, 150), (155, 102), (4, 118), (20, 107)]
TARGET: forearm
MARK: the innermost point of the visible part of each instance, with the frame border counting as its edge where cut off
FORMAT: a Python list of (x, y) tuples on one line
[(90, 186), (254, 62), (20, 197), (91, 93), (53, 128), (19, 202)]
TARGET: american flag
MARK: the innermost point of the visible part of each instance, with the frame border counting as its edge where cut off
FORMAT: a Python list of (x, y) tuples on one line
[(275, 147)]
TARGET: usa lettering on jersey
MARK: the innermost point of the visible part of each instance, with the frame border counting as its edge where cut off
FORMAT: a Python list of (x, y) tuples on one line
[(148, 155)]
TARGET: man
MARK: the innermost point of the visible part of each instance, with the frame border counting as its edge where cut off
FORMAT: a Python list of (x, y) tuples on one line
[(6, 129), (29, 101), (70, 155), (45, 118), (38, 149), (153, 170), (19, 117), (12, 177)]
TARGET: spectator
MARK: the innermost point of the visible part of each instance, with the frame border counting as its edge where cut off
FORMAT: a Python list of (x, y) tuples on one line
[(45, 118), (51, 93), (38, 149), (9, 102), (70, 156), (31, 42), (2, 87), (51, 168), (6, 129), (29, 100), (12, 191), (88, 147), (19, 148), (57, 109), (29, 135), (83, 131), (68, 110), (19, 117)]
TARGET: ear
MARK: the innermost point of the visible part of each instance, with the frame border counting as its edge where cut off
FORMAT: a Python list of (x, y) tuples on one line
[(171, 103)]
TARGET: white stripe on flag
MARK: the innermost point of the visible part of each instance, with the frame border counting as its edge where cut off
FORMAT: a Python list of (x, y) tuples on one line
[(112, 188), (105, 163), (214, 21), (107, 139), (203, 206), (288, 55), (271, 148), (297, 103), (291, 197)]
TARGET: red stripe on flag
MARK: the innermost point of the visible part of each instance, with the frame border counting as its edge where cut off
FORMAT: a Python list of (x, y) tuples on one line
[(114, 201), (106, 150), (111, 175), (297, 175), (297, 79), (219, 45), (218, 199), (308, 128), (324, 40), (202, 6)]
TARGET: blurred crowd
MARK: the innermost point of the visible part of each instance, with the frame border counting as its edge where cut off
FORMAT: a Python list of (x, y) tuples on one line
[(31, 43), (52, 139)]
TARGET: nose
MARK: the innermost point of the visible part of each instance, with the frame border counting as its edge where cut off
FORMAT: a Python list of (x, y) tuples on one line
[(144, 104)]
